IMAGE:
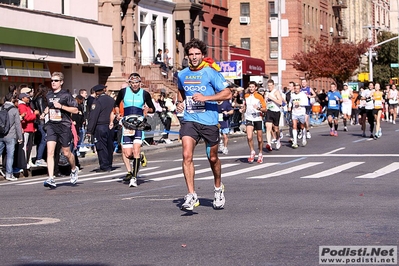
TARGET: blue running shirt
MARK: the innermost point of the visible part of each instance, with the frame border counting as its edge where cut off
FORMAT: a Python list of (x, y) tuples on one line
[(206, 81), (133, 102), (333, 104)]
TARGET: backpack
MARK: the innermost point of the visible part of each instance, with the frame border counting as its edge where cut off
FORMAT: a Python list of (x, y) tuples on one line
[(4, 120)]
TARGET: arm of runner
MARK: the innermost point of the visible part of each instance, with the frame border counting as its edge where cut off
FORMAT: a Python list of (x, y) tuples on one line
[(225, 94)]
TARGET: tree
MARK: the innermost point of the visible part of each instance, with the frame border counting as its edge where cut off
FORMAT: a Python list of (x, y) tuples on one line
[(387, 54), (337, 61)]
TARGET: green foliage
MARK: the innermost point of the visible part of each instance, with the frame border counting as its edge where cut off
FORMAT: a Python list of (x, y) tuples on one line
[(387, 54), (337, 61)]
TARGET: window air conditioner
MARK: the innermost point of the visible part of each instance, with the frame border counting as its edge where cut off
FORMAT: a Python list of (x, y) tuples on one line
[(244, 20)]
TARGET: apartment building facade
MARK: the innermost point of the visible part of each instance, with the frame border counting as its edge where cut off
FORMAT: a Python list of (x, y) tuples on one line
[(40, 37), (329, 20)]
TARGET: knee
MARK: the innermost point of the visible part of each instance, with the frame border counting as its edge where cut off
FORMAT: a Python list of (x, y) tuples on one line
[(213, 159), (187, 156)]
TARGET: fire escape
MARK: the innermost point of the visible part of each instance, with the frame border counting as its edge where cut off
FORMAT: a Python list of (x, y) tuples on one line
[(340, 33)]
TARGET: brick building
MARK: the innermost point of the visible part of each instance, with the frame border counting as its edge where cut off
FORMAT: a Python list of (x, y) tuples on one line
[(332, 20)]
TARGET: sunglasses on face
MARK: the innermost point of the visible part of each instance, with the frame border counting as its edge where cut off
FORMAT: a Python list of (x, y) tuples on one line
[(55, 80)]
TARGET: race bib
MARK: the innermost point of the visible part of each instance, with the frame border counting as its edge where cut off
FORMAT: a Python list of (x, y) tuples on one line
[(128, 132), (193, 106), (378, 103), (55, 115), (332, 103), (220, 117)]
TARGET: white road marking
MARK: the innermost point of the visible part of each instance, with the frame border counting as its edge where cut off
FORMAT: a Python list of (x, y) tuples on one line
[(334, 170), (287, 171), (333, 151), (383, 171), (180, 175), (241, 171)]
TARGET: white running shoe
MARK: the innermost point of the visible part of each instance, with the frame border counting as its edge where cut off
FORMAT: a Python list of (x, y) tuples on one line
[(133, 182), (278, 144), (308, 136), (219, 200), (74, 175), (50, 183), (41, 162), (304, 142), (11, 178), (190, 201), (225, 151)]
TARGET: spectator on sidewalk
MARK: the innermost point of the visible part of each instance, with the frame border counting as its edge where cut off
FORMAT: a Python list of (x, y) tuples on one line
[(40, 104), (28, 125), (13, 136)]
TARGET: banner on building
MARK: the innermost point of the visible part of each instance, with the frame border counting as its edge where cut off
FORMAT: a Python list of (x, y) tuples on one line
[(231, 69)]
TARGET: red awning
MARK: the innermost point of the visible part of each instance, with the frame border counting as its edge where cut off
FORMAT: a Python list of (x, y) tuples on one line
[(250, 66)]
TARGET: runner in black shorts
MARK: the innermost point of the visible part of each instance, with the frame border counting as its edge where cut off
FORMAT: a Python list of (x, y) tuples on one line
[(59, 127)]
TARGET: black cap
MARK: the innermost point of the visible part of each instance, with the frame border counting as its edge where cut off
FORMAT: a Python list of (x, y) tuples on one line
[(98, 87)]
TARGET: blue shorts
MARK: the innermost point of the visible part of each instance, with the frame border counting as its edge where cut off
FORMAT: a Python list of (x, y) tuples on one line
[(225, 130)]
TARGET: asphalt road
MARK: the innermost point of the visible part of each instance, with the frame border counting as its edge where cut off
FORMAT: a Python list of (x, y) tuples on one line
[(335, 191)]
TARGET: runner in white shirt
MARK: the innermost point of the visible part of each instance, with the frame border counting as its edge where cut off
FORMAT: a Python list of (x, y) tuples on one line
[(253, 106), (346, 106), (393, 103), (297, 105)]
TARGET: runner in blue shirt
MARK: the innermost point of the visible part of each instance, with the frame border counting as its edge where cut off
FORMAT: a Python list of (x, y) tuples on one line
[(201, 86), (334, 100)]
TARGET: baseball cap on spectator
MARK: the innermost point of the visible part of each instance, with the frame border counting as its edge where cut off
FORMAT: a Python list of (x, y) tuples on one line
[(23, 95), (26, 90), (345, 84)]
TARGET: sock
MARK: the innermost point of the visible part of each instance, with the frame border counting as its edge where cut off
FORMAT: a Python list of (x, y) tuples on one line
[(330, 124), (336, 127), (344, 122), (295, 135), (135, 166)]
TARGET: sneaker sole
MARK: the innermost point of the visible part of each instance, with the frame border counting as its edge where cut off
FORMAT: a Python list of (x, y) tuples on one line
[(190, 208), (218, 207), (48, 185)]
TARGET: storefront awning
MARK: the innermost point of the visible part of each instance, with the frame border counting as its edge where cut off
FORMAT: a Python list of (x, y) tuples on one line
[(88, 51), (250, 65)]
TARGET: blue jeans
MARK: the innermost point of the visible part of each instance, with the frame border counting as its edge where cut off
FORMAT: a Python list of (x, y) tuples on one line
[(42, 145), (10, 148)]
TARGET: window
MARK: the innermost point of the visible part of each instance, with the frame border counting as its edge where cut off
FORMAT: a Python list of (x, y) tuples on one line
[(142, 17), (244, 9), (88, 70), (272, 10), (205, 35), (246, 43), (11, 2), (273, 44)]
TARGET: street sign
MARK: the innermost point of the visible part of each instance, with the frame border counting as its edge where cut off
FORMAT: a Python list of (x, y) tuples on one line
[(393, 65)]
